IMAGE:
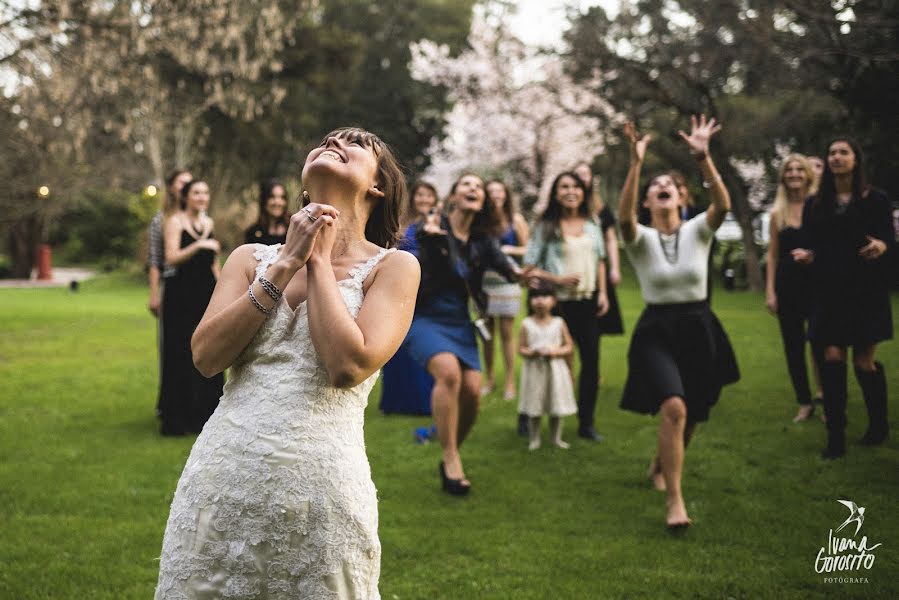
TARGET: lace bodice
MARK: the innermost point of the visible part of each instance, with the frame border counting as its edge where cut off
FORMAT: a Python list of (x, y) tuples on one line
[(280, 363), (276, 499)]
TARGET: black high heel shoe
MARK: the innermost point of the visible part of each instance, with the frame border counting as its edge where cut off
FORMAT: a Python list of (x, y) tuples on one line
[(453, 487)]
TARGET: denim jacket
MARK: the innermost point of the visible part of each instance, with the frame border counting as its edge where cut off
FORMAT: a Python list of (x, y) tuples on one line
[(550, 256)]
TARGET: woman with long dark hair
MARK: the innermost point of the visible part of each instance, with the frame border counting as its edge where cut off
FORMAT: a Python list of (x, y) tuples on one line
[(788, 282), (188, 398), (454, 251), (503, 298), (273, 220), (276, 499), (679, 357), (566, 251), (848, 233)]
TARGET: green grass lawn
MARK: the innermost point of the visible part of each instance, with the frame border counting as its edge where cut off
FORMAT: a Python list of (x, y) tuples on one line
[(85, 481)]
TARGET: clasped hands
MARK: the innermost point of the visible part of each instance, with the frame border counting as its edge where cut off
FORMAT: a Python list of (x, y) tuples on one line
[(310, 235)]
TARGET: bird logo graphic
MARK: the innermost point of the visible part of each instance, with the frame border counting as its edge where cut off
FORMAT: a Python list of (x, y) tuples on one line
[(856, 515)]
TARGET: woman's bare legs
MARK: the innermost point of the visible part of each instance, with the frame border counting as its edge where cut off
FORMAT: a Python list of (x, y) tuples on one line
[(490, 323), (655, 468), (671, 457), (447, 373), (469, 402), (507, 335)]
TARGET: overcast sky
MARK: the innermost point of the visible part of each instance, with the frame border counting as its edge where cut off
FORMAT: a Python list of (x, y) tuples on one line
[(540, 22)]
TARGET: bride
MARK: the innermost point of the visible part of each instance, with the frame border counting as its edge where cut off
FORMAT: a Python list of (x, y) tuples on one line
[(276, 499)]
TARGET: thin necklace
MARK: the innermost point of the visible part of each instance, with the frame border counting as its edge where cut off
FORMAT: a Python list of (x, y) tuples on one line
[(670, 253), (347, 249)]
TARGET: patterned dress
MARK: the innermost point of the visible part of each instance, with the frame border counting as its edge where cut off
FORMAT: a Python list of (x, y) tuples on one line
[(276, 499)]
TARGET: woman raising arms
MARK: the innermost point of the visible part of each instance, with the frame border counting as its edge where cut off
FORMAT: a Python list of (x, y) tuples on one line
[(679, 356), (276, 499)]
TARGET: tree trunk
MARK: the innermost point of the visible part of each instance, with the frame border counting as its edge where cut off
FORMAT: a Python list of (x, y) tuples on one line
[(24, 236), (743, 214)]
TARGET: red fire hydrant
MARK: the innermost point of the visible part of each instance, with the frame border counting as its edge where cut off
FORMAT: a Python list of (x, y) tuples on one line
[(44, 262)]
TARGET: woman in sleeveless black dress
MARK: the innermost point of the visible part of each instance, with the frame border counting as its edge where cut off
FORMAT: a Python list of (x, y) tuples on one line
[(188, 399), (788, 283)]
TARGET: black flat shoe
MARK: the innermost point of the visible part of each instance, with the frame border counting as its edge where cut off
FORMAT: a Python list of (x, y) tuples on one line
[(590, 434), (453, 487)]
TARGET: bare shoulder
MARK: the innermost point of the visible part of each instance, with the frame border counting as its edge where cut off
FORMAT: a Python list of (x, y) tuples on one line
[(398, 268), (243, 259), (401, 262), (173, 222)]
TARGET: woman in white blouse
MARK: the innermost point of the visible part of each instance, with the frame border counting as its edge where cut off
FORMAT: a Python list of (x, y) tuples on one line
[(679, 357)]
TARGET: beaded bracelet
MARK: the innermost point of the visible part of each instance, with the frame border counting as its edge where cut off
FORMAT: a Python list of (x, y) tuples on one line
[(270, 288), (256, 303)]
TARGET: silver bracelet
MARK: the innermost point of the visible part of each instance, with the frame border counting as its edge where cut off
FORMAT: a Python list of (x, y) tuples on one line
[(256, 303), (270, 288)]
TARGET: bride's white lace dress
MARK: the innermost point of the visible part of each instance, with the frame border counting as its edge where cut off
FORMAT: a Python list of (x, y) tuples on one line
[(276, 499)]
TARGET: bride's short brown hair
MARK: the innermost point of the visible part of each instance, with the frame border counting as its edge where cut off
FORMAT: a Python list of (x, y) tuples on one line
[(383, 224)]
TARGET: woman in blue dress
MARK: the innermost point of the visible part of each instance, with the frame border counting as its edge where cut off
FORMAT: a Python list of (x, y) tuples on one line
[(454, 250), (405, 385)]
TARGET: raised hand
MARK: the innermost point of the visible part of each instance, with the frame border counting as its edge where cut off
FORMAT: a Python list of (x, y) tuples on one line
[(432, 224), (701, 131), (304, 229), (638, 143)]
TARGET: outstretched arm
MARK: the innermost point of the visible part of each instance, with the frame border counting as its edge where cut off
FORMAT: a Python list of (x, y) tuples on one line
[(701, 132), (627, 201)]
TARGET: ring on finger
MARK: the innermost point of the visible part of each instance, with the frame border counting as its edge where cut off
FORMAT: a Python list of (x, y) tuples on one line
[(309, 215)]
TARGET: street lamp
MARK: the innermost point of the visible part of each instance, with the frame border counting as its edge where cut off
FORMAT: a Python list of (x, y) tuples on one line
[(44, 258)]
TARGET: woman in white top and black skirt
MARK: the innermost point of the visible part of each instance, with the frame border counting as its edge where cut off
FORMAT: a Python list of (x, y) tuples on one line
[(679, 357)]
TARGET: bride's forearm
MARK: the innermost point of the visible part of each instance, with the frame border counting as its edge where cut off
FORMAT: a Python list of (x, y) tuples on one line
[(232, 320), (335, 334)]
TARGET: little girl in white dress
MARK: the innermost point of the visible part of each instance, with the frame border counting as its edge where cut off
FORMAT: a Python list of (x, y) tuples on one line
[(546, 385)]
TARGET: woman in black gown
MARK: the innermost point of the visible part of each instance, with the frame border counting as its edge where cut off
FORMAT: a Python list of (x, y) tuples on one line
[(188, 399), (848, 230)]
